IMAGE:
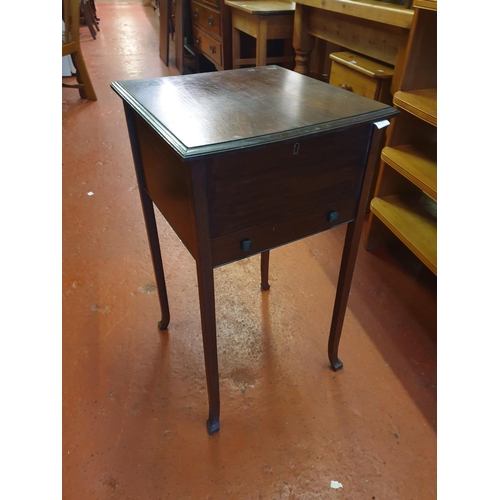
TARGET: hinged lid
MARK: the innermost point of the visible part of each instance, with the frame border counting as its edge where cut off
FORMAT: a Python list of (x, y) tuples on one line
[(209, 113)]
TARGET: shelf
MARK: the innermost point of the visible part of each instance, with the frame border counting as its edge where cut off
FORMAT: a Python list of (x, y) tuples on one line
[(421, 103), (413, 220), (425, 4), (417, 165)]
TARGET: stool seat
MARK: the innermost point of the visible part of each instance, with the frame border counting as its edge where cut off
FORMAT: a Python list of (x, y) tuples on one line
[(263, 20)]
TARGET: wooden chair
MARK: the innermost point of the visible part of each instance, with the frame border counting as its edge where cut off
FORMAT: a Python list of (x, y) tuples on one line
[(71, 46), (87, 10)]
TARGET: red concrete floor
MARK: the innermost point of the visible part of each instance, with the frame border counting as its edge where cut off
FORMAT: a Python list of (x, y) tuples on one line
[(134, 398)]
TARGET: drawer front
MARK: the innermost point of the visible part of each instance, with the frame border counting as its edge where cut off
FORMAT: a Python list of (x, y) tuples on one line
[(360, 84), (210, 47), (268, 184), (207, 19), (292, 227)]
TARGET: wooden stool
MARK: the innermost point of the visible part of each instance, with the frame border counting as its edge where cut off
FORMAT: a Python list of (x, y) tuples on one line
[(263, 20), (362, 76)]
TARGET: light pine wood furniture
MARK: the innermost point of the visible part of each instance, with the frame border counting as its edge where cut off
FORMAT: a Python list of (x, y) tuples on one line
[(71, 46), (361, 75), (374, 29), (405, 202), (242, 161), (263, 20), (365, 77)]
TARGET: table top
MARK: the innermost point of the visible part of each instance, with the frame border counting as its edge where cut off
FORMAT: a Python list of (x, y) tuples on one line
[(210, 113), (263, 7)]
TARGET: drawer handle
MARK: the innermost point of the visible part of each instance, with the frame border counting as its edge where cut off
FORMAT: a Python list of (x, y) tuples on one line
[(196, 14), (211, 21), (332, 216), (212, 49), (245, 245), (346, 87), (198, 39)]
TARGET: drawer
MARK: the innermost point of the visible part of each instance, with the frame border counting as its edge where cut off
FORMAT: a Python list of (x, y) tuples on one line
[(210, 47), (268, 184), (206, 19), (291, 227), (347, 78), (362, 76)]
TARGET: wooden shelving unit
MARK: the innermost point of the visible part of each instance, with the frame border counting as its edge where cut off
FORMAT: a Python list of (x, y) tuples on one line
[(419, 167), (422, 103), (405, 197), (413, 220)]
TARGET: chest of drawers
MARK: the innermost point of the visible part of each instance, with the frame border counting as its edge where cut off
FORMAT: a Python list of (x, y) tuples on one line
[(211, 31)]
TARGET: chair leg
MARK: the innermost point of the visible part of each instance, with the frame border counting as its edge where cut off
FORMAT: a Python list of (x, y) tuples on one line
[(88, 18), (93, 13), (83, 77)]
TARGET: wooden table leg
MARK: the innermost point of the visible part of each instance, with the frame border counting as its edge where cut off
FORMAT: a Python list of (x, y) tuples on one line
[(206, 294), (350, 252), (236, 47), (264, 270), (303, 42), (343, 287), (209, 332), (149, 217), (261, 49)]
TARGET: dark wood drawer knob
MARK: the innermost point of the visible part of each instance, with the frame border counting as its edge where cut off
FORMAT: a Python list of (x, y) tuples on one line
[(211, 21), (212, 49), (196, 14), (246, 245), (346, 87), (332, 216), (198, 39)]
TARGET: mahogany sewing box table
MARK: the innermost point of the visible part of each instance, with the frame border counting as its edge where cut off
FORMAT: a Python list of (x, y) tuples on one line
[(242, 161)]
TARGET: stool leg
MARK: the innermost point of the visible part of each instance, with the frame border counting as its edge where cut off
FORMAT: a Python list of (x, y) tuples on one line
[(264, 270), (262, 42)]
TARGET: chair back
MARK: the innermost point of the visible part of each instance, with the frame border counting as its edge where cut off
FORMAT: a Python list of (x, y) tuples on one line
[(71, 18)]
